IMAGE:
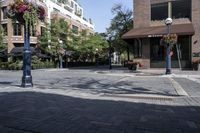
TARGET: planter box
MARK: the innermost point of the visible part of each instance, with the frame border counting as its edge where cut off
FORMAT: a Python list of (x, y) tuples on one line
[(196, 66), (134, 67)]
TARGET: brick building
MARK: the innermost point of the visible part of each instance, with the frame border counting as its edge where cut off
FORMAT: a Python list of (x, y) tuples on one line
[(71, 11), (149, 27)]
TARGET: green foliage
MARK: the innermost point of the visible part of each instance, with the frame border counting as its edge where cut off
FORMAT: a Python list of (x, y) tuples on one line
[(43, 40), (86, 47), (58, 30), (120, 24), (2, 44)]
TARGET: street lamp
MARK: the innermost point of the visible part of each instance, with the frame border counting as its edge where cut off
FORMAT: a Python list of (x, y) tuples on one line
[(168, 23), (109, 39), (60, 55), (97, 57), (27, 78)]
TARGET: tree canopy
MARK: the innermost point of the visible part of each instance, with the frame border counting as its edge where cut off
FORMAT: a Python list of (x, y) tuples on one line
[(120, 24)]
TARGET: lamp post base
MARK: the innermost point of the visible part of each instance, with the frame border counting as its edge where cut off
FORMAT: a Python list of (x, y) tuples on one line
[(27, 81), (168, 71)]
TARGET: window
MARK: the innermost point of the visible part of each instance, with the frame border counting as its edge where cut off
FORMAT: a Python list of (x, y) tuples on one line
[(76, 8), (137, 49), (72, 4), (17, 30), (181, 9), (4, 12), (4, 26), (56, 10), (43, 30), (159, 11), (74, 29)]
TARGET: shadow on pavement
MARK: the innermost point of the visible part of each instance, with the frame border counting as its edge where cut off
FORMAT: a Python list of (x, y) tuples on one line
[(50, 113), (93, 85)]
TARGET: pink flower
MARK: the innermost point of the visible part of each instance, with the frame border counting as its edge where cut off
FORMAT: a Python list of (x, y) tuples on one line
[(23, 8)]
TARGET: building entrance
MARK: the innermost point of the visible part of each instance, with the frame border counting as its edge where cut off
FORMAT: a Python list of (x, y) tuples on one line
[(158, 53)]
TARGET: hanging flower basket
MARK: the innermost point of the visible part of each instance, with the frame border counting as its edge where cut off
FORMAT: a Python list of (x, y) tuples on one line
[(169, 39), (26, 12)]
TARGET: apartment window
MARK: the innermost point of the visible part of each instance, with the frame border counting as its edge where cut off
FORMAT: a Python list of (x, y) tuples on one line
[(181, 9), (17, 30), (72, 4), (56, 10), (81, 12), (43, 30), (74, 29), (4, 12), (4, 26), (76, 8), (137, 49), (159, 11)]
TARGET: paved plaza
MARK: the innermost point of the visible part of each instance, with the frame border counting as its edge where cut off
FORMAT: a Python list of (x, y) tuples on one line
[(100, 101)]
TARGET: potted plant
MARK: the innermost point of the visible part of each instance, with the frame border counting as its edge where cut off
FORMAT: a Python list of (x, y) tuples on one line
[(26, 12), (134, 65), (169, 39), (195, 65)]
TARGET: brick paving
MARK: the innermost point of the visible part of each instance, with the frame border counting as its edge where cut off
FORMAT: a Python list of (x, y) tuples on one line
[(73, 104)]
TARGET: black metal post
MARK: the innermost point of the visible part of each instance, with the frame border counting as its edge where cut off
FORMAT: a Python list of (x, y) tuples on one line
[(168, 56), (110, 54), (26, 78), (61, 60)]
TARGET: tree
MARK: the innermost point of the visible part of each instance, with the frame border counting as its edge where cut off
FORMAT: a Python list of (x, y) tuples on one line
[(49, 41), (2, 44), (120, 24)]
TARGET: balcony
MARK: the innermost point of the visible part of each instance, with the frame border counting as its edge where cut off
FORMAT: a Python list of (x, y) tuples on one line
[(68, 8), (56, 14), (20, 39)]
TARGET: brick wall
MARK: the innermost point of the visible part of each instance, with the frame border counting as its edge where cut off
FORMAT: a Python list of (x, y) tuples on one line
[(196, 24), (141, 13), (160, 1)]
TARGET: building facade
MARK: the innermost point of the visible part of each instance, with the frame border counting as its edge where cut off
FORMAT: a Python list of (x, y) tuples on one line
[(149, 27), (71, 11)]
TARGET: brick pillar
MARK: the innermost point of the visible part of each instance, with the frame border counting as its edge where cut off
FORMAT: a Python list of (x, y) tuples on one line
[(196, 24), (142, 13)]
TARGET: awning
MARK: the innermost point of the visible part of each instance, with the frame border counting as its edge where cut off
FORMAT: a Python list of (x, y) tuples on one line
[(18, 51), (181, 29)]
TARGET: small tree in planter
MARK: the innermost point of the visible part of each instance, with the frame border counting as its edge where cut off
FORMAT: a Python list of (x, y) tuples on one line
[(27, 14)]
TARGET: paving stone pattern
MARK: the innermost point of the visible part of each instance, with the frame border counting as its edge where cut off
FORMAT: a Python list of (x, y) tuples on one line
[(51, 106)]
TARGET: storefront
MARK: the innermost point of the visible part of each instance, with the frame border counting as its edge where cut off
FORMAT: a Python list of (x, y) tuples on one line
[(152, 53)]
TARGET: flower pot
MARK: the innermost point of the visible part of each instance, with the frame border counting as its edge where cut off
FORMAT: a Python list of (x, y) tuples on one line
[(135, 67), (196, 66)]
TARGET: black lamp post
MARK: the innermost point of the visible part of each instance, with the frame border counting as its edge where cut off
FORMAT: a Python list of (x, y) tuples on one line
[(27, 78), (60, 54), (168, 23), (109, 39)]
